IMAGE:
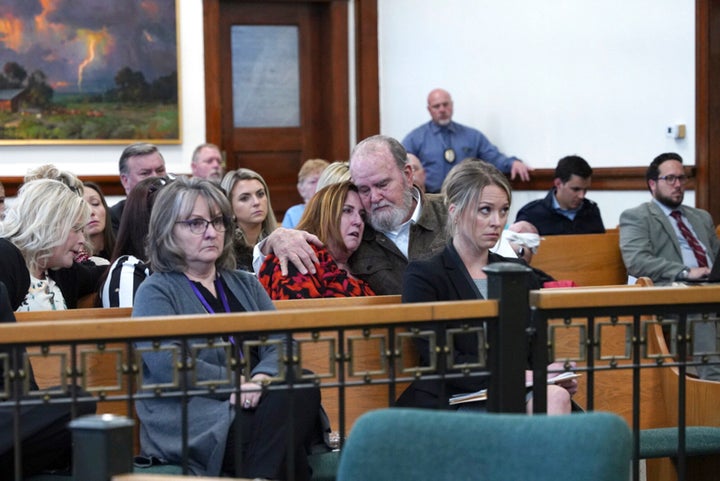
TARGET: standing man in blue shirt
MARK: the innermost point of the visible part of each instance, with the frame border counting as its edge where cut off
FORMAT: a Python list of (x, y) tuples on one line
[(565, 209), (441, 143)]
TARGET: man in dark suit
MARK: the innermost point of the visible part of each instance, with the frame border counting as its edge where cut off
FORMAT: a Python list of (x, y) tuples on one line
[(137, 162), (670, 242)]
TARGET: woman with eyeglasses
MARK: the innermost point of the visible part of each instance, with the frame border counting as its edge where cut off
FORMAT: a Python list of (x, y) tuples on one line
[(39, 238), (252, 212), (192, 258), (129, 266)]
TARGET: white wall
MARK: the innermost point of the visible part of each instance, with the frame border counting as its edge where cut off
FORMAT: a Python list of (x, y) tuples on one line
[(601, 79), (542, 79), (103, 160)]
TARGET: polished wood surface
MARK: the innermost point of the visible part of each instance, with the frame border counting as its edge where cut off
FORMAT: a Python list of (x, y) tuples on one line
[(588, 259), (95, 313), (701, 409), (610, 178), (707, 105), (324, 125)]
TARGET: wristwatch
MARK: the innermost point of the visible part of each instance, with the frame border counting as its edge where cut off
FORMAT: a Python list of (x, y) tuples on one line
[(683, 274)]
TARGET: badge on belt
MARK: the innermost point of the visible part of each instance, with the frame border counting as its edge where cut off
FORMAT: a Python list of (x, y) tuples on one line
[(449, 155)]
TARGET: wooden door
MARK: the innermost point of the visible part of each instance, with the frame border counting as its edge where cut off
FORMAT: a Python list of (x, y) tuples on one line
[(277, 87)]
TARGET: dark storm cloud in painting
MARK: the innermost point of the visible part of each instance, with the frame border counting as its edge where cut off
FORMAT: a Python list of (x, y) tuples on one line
[(82, 44)]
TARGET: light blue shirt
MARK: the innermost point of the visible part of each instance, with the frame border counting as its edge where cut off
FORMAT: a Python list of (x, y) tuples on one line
[(428, 144), (570, 213), (293, 215)]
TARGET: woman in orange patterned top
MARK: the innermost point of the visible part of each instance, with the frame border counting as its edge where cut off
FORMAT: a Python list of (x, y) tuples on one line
[(336, 216)]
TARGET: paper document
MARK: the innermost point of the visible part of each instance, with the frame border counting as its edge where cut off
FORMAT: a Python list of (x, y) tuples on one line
[(481, 395)]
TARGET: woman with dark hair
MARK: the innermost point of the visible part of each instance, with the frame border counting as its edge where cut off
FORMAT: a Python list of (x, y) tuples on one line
[(98, 232), (336, 216), (129, 260), (192, 258)]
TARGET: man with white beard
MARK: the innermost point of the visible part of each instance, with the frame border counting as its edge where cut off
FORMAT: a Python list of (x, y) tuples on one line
[(402, 223)]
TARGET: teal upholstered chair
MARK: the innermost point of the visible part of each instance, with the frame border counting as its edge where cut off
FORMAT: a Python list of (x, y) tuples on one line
[(412, 444)]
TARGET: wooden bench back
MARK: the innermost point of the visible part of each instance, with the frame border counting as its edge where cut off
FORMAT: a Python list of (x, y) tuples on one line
[(588, 259), (102, 370), (613, 389), (96, 313)]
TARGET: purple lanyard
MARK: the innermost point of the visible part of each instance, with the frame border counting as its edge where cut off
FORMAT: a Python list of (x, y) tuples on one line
[(220, 290)]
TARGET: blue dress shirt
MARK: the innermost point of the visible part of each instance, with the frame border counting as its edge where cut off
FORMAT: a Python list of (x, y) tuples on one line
[(427, 142)]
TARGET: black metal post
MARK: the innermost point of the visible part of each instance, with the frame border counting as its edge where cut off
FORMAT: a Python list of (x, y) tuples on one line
[(507, 340), (102, 446)]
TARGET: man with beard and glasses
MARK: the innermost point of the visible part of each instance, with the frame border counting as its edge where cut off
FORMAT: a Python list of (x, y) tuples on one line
[(402, 223), (670, 242)]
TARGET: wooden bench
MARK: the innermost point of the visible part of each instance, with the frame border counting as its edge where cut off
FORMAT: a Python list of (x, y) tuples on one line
[(367, 316), (658, 416), (95, 313), (702, 416), (103, 369), (587, 259), (613, 389)]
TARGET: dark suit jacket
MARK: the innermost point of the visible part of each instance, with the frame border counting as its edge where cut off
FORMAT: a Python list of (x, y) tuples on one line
[(381, 264), (116, 214), (543, 216), (445, 278)]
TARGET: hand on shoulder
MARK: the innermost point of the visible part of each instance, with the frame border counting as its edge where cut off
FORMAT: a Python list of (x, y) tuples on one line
[(292, 245)]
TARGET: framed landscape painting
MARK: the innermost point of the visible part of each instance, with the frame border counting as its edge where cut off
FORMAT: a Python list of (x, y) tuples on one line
[(89, 72)]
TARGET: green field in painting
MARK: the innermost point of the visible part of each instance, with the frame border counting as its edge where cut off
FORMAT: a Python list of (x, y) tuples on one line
[(72, 118)]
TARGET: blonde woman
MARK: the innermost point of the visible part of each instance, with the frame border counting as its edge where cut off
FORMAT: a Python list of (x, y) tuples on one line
[(39, 238), (307, 180), (252, 212)]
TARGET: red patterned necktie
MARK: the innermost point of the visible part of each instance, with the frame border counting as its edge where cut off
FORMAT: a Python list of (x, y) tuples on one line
[(691, 240)]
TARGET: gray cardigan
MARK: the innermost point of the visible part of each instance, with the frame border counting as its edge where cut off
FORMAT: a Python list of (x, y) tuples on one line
[(209, 417)]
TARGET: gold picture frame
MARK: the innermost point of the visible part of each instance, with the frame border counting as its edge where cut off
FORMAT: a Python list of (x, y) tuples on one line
[(99, 73)]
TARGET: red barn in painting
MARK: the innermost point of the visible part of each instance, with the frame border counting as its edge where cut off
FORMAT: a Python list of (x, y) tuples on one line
[(10, 99)]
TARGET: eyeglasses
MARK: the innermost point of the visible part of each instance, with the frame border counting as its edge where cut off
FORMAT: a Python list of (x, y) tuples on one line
[(670, 179), (199, 225)]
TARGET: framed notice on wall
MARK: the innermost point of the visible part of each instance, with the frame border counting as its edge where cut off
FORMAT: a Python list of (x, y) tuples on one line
[(89, 72)]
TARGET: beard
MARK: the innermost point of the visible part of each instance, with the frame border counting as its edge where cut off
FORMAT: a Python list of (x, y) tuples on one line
[(669, 201), (393, 217)]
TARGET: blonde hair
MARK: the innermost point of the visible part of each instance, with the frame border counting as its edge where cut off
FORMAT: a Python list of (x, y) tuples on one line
[(311, 166), (41, 219), (338, 171), (464, 185), (49, 171), (228, 184)]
